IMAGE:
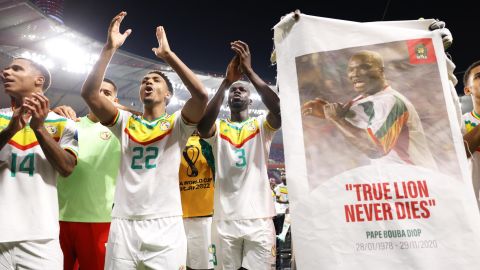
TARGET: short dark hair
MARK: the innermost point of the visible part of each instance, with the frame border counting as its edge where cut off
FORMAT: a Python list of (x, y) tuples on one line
[(107, 80), (165, 77), (242, 83), (468, 71), (43, 71)]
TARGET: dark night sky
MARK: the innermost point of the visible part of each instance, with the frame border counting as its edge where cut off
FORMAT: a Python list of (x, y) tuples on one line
[(200, 31)]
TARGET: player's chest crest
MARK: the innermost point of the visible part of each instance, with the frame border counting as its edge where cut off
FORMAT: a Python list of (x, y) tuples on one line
[(144, 132), (26, 139), (105, 135), (238, 134)]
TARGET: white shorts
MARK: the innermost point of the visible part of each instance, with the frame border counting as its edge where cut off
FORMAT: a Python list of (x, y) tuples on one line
[(146, 244), (199, 241), (248, 243), (34, 254)]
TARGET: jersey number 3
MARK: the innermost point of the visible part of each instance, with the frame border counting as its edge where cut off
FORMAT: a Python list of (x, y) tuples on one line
[(241, 160)]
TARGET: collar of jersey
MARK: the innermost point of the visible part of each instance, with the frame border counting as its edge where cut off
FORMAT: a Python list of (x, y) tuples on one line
[(476, 115), (238, 123), (150, 124)]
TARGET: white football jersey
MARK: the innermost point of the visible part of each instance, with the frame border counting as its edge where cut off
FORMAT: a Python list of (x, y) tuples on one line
[(472, 120), (28, 182), (242, 189), (147, 182), (393, 124)]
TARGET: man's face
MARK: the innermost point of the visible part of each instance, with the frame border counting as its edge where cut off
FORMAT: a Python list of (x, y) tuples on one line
[(153, 89), (107, 90), (239, 97), (366, 75), (20, 78), (473, 84)]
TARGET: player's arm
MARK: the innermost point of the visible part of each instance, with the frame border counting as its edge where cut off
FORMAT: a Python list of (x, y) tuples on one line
[(206, 126), (471, 140), (314, 108), (194, 108), (358, 137), (268, 96), (128, 109), (62, 160), (101, 107), (19, 121)]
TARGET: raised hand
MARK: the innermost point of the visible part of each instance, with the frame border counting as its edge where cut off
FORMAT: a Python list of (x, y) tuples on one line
[(163, 49), (314, 108), (19, 119), (233, 73), (446, 35), (336, 111), (243, 52), (67, 112), (116, 39), (39, 107)]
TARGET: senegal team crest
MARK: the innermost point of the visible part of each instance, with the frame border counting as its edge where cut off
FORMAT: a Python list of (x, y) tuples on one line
[(105, 135), (238, 136), (164, 125), (421, 51), (51, 129), (251, 126)]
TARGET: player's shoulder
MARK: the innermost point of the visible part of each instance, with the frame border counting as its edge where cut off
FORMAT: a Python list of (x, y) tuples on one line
[(6, 111), (52, 116), (469, 116)]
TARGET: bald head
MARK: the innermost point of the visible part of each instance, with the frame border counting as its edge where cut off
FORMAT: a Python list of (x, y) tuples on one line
[(365, 71), (373, 57), (239, 96)]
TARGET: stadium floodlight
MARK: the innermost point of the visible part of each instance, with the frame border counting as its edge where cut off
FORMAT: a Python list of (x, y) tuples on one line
[(30, 37), (38, 58), (71, 57)]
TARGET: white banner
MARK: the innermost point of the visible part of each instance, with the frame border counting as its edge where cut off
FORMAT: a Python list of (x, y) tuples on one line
[(375, 163)]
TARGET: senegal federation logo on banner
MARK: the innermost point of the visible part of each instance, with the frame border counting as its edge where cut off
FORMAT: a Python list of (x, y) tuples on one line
[(421, 51)]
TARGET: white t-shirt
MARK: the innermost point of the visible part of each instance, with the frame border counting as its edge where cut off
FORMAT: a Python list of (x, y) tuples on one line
[(242, 189), (147, 182), (392, 123), (471, 120), (28, 182)]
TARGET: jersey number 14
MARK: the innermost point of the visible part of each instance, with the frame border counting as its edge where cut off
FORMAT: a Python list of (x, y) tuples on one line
[(25, 164)]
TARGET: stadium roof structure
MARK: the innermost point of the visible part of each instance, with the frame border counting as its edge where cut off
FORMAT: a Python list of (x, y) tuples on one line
[(26, 32)]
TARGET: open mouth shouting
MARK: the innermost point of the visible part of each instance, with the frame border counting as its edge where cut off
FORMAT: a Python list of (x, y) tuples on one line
[(148, 90), (6, 81), (358, 83)]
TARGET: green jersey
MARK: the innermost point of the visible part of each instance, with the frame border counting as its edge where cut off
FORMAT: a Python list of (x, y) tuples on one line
[(87, 194)]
